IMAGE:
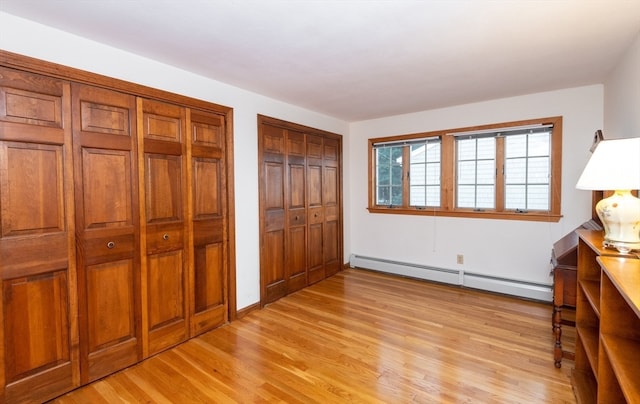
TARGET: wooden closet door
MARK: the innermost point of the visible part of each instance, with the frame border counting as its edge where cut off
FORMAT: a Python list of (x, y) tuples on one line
[(271, 144), (316, 211), (39, 333), (332, 204), (296, 219), (164, 265), (107, 226), (208, 221)]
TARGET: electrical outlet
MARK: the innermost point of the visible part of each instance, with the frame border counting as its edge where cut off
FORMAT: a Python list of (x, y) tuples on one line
[(460, 259)]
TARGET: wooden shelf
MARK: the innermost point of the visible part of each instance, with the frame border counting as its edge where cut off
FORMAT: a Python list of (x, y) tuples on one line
[(589, 339), (592, 293), (624, 356), (607, 360), (584, 387)]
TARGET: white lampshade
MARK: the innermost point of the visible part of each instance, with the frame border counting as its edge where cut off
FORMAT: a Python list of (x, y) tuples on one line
[(614, 165)]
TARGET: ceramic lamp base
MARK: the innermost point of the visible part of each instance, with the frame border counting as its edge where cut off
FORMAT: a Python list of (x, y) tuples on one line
[(620, 217)]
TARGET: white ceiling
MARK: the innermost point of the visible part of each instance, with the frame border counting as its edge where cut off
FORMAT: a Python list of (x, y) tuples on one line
[(363, 59)]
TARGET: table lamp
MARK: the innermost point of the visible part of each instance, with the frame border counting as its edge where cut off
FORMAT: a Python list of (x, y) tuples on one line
[(615, 166)]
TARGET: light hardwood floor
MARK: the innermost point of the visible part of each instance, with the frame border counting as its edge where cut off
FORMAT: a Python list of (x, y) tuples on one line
[(359, 336)]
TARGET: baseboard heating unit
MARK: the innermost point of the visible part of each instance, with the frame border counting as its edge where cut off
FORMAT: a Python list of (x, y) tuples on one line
[(529, 290)]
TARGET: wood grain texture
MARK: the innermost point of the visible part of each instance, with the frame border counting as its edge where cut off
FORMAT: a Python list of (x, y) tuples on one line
[(358, 336)]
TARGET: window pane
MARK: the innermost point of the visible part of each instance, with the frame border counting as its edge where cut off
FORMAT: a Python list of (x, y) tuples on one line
[(383, 196), (527, 177), (388, 175), (539, 144), (515, 197), (466, 196), (486, 197), (515, 171), (516, 146), (396, 195), (396, 175), (486, 172), (538, 197), (424, 170), (538, 172), (486, 148), (467, 172), (476, 173), (433, 195), (417, 174), (418, 196)]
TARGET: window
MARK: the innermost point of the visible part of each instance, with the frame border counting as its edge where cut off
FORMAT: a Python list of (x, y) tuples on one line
[(508, 171)]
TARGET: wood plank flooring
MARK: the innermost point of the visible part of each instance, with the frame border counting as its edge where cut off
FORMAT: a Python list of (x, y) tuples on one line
[(361, 337)]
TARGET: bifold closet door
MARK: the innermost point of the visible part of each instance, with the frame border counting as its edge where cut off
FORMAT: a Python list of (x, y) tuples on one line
[(296, 217), (208, 221), (107, 228), (272, 213), (331, 202), (39, 333), (324, 213), (162, 131)]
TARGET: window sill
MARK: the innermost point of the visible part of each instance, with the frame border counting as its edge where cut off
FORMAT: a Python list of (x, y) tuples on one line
[(528, 216)]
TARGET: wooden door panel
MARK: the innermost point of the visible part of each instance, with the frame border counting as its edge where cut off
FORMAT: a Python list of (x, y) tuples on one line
[(314, 147), (314, 181), (166, 294), (315, 252), (31, 181), (210, 275), (36, 324), (163, 188), (331, 247), (110, 303), (107, 196), (30, 107), (273, 274), (211, 287), (296, 144), (162, 127), (274, 186), (296, 258), (97, 117), (207, 130), (207, 188), (296, 186), (330, 189), (272, 140)]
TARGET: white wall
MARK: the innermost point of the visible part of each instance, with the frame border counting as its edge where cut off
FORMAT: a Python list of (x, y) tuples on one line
[(508, 249), (35, 40), (622, 96)]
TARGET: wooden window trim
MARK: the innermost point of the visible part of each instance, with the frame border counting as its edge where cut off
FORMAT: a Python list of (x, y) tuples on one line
[(447, 197)]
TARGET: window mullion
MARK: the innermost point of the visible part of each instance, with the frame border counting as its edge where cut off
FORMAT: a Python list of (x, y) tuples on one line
[(500, 174), (406, 164)]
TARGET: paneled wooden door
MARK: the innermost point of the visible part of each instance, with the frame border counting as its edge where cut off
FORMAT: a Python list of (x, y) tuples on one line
[(332, 205), (39, 336), (271, 144), (162, 148), (107, 228), (208, 221)]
